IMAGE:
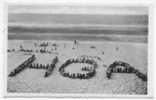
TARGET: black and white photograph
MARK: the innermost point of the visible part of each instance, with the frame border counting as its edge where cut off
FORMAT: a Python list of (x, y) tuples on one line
[(77, 49)]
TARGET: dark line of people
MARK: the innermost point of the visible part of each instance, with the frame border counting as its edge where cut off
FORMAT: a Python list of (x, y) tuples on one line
[(116, 67), (23, 66), (41, 50), (51, 67), (122, 67), (48, 67), (96, 57), (87, 68), (45, 44), (39, 66), (11, 50), (79, 75), (86, 75), (29, 64)]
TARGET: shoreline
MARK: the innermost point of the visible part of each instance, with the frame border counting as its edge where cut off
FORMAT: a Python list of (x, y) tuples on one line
[(93, 38)]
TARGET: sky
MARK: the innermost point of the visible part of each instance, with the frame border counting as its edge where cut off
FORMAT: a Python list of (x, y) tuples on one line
[(77, 19), (78, 9), (77, 15)]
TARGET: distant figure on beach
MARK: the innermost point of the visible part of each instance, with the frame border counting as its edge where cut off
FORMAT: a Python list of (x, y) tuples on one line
[(76, 43), (21, 48)]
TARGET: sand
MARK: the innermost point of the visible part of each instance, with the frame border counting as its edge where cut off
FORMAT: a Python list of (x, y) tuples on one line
[(33, 81)]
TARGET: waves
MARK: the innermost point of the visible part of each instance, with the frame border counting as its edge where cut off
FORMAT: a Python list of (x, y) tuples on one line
[(126, 33), (131, 28), (69, 37), (81, 29)]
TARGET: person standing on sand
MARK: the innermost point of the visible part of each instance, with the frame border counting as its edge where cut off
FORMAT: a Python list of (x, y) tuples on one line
[(75, 44), (21, 48)]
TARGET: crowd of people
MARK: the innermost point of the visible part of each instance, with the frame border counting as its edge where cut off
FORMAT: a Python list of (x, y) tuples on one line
[(48, 67), (90, 70), (91, 57), (23, 66), (116, 67), (122, 67), (29, 64), (42, 48)]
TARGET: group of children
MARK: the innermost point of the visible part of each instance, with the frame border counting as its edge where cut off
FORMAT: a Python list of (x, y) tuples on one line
[(24, 65), (39, 66), (90, 70), (86, 75), (122, 67)]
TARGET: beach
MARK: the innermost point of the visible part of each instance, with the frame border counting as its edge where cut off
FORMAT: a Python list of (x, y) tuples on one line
[(32, 80), (70, 49)]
